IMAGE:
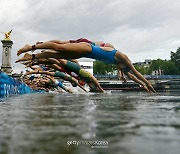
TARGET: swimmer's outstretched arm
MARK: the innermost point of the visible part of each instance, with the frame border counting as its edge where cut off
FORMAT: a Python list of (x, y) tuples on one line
[(63, 87), (94, 80), (127, 63), (140, 76), (121, 76), (132, 77), (75, 81)]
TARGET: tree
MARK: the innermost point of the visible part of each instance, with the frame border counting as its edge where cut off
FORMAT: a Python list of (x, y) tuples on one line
[(175, 57), (103, 68), (142, 69), (167, 66)]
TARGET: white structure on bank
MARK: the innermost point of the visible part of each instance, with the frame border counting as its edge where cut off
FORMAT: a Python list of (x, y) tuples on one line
[(145, 64), (87, 65), (6, 54)]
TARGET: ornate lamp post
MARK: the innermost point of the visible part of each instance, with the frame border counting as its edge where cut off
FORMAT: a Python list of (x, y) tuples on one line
[(6, 54)]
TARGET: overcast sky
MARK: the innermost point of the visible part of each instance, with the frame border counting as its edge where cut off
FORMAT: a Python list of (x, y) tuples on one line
[(143, 29)]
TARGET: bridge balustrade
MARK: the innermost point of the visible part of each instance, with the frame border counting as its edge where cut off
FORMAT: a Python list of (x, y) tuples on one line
[(150, 77)]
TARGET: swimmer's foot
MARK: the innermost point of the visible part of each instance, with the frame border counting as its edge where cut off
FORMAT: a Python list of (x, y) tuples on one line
[(26, 48), (25, 58)]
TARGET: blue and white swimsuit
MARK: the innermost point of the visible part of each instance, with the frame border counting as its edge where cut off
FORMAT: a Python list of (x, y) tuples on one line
[(102, 55)]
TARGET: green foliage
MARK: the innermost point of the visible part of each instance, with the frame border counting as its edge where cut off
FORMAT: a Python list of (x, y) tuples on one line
[(175, 57), (167, 66), (103, 68), (141, 69), (156, 65)]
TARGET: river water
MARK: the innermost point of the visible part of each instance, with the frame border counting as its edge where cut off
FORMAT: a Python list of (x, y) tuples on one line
[(112, 123)]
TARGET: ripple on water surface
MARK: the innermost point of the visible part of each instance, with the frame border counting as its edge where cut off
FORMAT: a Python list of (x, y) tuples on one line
[(130, 122)]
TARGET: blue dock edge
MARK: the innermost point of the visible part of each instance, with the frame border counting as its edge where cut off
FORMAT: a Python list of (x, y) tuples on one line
[(11, 86)]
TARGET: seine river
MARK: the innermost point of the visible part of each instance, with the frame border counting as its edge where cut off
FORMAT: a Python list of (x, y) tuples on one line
[(111, 123)]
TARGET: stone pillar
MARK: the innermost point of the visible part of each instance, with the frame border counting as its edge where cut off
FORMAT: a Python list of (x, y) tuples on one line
[(6, 57)]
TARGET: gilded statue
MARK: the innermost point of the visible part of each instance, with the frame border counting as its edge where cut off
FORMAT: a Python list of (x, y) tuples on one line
[(7, 35)]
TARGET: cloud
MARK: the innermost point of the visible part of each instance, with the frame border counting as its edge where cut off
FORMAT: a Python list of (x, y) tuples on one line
[(142, 29)]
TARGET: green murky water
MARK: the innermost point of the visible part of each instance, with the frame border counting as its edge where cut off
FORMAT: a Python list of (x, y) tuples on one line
[(112, 123)]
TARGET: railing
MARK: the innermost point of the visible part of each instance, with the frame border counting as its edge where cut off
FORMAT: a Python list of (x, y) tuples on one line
[(153, 77), (105, 76), (159, 77), (10, 86)]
